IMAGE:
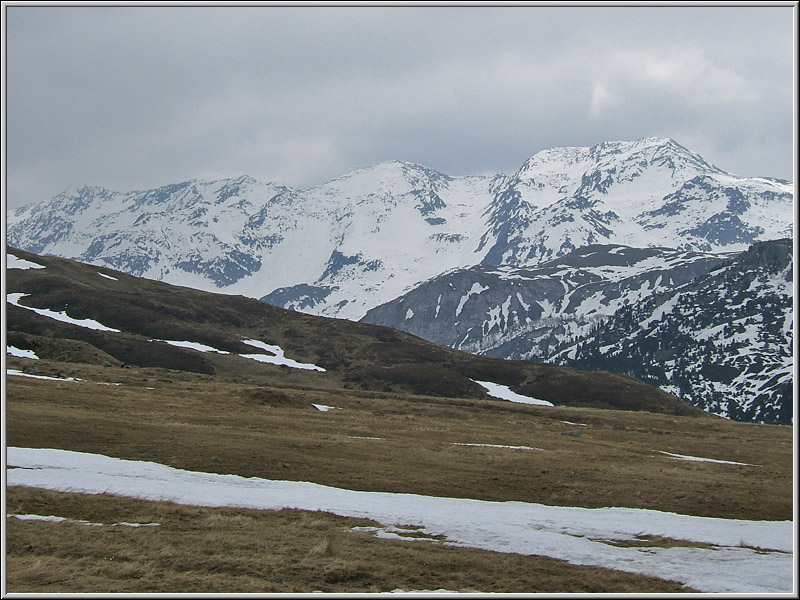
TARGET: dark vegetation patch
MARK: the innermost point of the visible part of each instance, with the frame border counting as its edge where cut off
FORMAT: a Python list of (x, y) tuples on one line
[(123, 347), (269, 397), (600, 389), (59, 349), (424, 379), (504, 372)]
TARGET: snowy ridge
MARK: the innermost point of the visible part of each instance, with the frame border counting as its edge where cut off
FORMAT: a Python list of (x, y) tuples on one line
[(723, 342), (344, 247), (524, 313)]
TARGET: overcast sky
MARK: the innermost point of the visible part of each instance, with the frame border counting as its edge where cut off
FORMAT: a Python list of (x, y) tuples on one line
[(135, 97)]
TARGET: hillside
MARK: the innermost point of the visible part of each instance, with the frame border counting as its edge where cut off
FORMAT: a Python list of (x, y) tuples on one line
[(525, 312), (723, 341), (146, 315)]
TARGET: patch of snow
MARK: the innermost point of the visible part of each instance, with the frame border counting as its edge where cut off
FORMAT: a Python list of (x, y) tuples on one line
[(497, 446), (107, 276), (264, 346), (504, 393), (409, 314), (527, 307), (475, 290), (12, 262), (58, 316), (747, 556), (54, 519), (698, 459), (191, 345), (397, 533), (14, 351), (277, 357), (439, 591), (571, 423), (21, 374), (324, 407)]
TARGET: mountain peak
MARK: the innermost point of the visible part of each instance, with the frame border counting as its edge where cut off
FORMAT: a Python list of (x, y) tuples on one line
[(394, 224)]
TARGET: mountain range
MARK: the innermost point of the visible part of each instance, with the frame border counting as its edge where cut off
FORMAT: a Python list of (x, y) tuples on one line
[(520, 265), (363, 239)]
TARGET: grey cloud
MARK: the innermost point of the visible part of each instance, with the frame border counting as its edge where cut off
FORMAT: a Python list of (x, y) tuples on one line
[(133, 97)]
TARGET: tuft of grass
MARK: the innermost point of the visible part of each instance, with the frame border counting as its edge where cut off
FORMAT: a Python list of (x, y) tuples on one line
[(654, 541)]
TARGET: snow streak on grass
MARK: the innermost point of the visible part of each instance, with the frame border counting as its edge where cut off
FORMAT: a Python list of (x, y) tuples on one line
[(277, 356), (14, 351), (54, 519), (21, 374), (58, 316), (12, 262), (324, 407), (497, 446), (192, 346), (505, 393), (698, 459)]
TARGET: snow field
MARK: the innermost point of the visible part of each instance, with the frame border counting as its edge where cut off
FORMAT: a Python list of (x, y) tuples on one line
[(744, 557)]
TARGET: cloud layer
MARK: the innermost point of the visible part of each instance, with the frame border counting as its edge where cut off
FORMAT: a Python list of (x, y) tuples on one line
[(136, 97)]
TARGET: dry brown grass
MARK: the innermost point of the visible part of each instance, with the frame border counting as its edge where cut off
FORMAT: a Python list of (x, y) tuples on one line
[(270, 430), (216, 425)]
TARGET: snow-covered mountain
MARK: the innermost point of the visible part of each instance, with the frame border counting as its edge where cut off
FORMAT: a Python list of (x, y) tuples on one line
[(723, 342), (363, 239), (524, 313), (715, 329)]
